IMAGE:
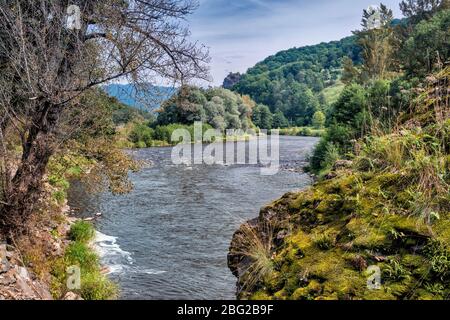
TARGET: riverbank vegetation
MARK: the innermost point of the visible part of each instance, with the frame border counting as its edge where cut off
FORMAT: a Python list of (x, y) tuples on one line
[(215, 108), (381, 206), (80, 253), (302, 132), (56, 124)]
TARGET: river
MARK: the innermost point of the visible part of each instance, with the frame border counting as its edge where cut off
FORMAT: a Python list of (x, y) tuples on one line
[(169, 237)]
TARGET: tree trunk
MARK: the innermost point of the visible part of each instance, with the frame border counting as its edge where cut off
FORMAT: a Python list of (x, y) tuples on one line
[(25, 188)]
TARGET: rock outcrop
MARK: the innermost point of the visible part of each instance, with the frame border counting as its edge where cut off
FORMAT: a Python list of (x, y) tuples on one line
[(322, 243), (231, 80), (16, 282)]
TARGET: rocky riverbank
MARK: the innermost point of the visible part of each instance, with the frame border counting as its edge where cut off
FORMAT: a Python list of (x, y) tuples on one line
[(32, 267), (23, 263), (16, 281)]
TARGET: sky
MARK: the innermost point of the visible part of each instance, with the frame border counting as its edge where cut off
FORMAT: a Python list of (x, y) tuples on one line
[(240, 33)]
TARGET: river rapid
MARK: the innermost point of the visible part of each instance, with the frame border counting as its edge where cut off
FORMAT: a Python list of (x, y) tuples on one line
[(169, 237)]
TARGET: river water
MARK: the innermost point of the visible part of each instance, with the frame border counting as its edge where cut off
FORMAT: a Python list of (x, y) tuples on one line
[(169, 237)]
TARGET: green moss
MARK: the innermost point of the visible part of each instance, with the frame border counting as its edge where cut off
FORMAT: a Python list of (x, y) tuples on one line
[(341, 226), (324, 241), (367, 234), (281, 295), (261, 296), (312, 290)]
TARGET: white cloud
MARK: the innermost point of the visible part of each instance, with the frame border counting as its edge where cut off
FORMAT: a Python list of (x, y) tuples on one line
[(242, 32)]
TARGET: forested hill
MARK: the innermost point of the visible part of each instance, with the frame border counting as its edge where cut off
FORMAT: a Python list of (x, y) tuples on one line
[(292, 81)]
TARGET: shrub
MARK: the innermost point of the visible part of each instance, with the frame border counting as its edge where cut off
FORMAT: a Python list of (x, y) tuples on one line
[(95, 286), (141, 135), (81, 231), (80, 254), (325, 155), (318, 120)]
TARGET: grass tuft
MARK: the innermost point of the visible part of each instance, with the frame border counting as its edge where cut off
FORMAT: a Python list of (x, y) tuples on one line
[(81, 231)]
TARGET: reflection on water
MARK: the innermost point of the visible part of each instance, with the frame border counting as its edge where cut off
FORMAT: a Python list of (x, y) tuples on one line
[(169, 238)]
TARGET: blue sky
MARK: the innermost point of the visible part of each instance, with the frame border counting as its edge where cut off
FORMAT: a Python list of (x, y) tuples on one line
[(240, 33)]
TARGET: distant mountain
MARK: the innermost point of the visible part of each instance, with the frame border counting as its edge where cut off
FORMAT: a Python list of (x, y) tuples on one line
[(148, 98)]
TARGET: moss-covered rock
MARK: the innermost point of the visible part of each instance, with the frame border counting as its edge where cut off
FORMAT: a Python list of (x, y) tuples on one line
[(332, 238)]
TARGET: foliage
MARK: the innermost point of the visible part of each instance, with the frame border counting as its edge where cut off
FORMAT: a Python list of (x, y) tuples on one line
[(45, 94), (428, 47), (81, 231), (368, 214), (218, 107), (291, 80), (279, 121), (262, 117), (144, 136), (417, 10), (318, 120), (302, 131)]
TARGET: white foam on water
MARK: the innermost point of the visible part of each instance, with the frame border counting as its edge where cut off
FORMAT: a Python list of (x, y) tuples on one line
[(115, 258), (151, 271), (111, 254)]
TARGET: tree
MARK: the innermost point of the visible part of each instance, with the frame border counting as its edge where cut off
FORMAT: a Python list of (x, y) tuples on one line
[(417, 10), (218, 107), (47, 64), (279, 121), (427, 48), (277, 80), (318, 120), (262, 117), (350, 73), (376, 39), (352, 103)]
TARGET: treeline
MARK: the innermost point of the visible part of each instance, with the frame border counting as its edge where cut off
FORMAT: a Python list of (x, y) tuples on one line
[(216, 108), (221, 108), (397, 58)]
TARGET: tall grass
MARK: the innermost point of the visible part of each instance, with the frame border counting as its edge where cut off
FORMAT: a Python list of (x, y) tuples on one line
[(255, 244), (94, 284), (417, 151)]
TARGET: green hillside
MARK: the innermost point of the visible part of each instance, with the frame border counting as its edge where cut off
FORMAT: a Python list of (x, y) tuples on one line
[(292, 81)]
